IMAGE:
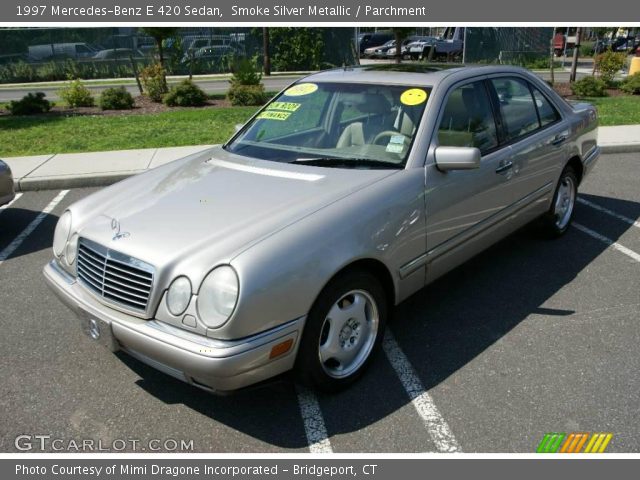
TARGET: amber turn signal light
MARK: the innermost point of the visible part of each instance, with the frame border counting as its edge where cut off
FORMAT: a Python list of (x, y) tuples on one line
[(281, 348)]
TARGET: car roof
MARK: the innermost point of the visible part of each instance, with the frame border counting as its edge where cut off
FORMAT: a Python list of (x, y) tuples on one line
[(407, 73)]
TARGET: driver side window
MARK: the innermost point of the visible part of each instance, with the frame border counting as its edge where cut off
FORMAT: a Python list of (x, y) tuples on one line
[(468, 119)]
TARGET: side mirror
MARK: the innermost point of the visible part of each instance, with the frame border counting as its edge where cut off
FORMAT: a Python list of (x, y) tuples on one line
[(238, 127), (457, 158)]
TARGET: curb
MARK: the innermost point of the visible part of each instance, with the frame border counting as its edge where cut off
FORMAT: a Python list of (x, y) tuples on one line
[(64, 183), (620, 148), (103, 180)]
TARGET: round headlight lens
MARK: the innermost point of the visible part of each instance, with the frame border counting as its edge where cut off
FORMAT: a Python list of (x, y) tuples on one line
[(179, 295), (72, 249), (61, 235), (218, 296)]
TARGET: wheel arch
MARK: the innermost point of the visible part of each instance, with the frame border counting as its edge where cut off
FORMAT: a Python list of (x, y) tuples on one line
[(378, 269), (575, 163)]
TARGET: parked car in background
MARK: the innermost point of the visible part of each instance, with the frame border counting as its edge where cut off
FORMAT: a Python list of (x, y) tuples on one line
[(373, 39), (118, 53), (60, 50), (378, 51), (391, 52), (207, 53), (449, 45), (7, 192), (288, 246)]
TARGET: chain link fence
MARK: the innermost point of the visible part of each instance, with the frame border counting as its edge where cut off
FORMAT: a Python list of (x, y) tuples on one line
[(49, 54)]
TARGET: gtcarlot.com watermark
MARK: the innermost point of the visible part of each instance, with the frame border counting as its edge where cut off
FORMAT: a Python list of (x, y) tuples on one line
[(45, 443)]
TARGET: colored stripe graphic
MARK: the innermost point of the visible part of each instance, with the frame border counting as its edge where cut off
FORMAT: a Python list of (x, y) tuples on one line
[(573, 442), (550, 442)]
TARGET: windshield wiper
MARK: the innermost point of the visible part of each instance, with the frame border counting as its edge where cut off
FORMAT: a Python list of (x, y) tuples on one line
[(347, 163)]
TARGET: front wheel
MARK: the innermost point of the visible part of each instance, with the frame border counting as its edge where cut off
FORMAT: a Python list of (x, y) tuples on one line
[(558, 219), (343, 331)]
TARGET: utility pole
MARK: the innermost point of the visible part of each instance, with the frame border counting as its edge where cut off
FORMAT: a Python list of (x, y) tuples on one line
[(265, 51), (552, 56), (576, 51)]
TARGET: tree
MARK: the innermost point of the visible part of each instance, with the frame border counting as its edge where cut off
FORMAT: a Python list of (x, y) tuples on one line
[(400, 33), (159, 34)]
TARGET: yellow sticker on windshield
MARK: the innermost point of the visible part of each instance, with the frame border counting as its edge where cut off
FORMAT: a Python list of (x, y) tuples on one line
[(413, 96), (286, 106), (272, 115), (301, 89)]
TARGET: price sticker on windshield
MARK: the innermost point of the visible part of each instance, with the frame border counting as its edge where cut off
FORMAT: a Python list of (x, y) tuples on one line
[(286, 106), (301, 89), (273, 115), (413, 96)]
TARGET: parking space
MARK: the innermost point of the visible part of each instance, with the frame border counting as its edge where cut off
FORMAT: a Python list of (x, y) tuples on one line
[(529, 337)]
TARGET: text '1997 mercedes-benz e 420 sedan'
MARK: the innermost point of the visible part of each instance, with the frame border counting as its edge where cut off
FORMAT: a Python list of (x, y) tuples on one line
[(287, 247)]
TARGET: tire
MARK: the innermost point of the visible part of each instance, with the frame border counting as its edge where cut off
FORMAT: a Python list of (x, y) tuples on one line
[(560, 215), (339, 340)]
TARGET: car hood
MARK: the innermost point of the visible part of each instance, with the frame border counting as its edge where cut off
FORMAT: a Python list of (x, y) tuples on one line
[(211, 206)]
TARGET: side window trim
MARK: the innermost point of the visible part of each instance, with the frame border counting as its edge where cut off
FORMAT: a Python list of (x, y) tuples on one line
[(535, 105)]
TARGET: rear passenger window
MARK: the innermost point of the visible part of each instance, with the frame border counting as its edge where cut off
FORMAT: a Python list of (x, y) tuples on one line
[(548, 114), (516, 106), (468, 119)]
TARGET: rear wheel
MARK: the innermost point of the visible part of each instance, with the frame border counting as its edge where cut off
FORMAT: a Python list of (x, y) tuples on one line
[(343, 331), (558, 219)]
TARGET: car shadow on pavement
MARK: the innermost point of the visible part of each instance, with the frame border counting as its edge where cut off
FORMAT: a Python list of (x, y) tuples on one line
[(13, 221), (440, 329)]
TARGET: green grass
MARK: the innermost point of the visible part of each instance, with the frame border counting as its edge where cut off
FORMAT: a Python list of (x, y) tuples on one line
[(52, 134), (56, 134), (623, 110)]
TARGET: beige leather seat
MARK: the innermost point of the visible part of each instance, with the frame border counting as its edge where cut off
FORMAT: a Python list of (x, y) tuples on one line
[(378, 111)]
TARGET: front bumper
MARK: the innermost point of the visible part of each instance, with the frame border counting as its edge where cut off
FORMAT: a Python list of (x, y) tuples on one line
[(214, 365)]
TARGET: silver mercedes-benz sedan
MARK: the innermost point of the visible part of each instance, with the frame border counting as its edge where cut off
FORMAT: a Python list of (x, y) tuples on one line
[(287, 247), (7, 192)]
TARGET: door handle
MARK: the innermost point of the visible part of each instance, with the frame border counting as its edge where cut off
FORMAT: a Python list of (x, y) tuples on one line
[(503, 168), (559, 139)]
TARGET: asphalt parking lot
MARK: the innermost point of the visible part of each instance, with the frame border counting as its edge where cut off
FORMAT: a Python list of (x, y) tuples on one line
[(532, 336)]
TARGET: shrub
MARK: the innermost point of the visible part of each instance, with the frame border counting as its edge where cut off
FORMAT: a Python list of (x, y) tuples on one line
[(246, 95), (77, 95), (245, 72), (608, 64), (586, 49), (154, 82), (631, 84), (185, 94), (30, 104), (116, 98), (589, 87)]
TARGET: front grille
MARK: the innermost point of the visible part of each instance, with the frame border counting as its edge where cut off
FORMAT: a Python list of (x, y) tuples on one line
[(114, 276)]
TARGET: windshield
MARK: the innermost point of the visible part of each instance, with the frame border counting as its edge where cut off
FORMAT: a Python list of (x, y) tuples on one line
[(336, 125)]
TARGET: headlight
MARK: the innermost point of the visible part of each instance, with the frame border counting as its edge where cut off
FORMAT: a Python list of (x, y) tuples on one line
[(61, 235), (179, 295), (72, 249), (218, 296)]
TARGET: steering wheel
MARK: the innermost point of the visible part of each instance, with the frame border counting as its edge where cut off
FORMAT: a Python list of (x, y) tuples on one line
[(388, 134)]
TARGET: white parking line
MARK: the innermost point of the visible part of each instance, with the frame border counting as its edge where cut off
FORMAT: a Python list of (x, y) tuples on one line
[(313, 420), (608, 241), (435, 424), (7, 205), (602, 209), (9, 249)]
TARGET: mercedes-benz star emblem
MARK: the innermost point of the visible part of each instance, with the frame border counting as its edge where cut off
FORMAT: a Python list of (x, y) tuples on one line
[(115, 226)]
